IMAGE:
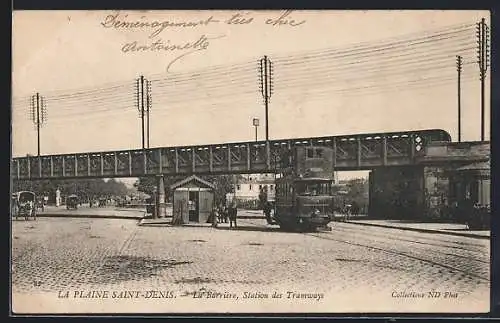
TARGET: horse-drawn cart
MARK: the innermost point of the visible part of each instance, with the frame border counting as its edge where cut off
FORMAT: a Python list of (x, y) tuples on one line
[(24, 205), (72, 202)]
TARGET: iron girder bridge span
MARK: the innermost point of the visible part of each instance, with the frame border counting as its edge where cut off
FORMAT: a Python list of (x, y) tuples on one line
[(351, 152)]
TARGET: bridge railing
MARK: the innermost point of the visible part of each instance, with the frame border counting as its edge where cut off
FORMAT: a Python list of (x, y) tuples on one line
[(350, 153)]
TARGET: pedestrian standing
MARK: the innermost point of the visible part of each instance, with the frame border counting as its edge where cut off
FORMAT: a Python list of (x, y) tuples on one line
[(233, 213), (267, 212), (215, 217)]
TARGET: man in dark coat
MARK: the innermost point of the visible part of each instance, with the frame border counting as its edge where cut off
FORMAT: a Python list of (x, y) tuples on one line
[(267, 213), (232, 213)]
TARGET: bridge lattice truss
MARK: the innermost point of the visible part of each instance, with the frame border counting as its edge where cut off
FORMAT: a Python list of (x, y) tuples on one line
[(355, 152)]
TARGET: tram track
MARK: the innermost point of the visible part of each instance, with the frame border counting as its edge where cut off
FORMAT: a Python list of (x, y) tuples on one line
[(327, 236), (451, 243), (434, 245), (398, 253)]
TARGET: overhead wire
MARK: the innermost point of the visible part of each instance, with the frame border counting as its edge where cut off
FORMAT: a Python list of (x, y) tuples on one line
[(178, 79), (369, 61), (208, 90), (405, 36), (363, 46), (224, 68), (400, 52), (408, 57), (107, 85), (363, 77), (220, 83), (377, 66), (408, 85), (102, 90), (214, 70), (381, 52)]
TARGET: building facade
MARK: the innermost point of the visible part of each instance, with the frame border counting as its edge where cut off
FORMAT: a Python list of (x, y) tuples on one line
[(248, 187)]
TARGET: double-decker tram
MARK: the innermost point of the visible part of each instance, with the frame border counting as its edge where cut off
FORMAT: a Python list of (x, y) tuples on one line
[(304, 199)]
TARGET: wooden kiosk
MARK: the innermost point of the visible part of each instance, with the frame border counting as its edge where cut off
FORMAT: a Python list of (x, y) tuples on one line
[(193, 200)]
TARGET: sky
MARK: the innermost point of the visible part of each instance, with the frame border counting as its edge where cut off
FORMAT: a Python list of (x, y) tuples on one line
[(83, 67)]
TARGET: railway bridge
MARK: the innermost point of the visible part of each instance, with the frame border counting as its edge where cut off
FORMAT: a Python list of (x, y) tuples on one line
[(351, 152), (413, 168)]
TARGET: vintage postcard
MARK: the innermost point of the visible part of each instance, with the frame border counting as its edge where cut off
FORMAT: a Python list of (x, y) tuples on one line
[(250, 162)]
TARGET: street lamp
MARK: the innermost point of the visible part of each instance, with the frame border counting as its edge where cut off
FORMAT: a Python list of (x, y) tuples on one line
[(256, 125)]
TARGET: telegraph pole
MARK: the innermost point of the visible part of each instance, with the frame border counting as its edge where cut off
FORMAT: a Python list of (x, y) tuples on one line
[(140, 105), (38, 115), (142, 111), (483, 55), (38, 122), (266, 86), (148, 108), (459, 70)]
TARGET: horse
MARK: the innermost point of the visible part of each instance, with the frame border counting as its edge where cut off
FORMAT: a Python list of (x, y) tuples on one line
[(28, 209)]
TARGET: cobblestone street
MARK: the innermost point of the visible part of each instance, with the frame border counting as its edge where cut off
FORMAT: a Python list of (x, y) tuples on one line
[(167, 269)]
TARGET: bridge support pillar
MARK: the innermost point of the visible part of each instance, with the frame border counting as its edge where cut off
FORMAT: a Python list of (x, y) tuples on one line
[(160, 207), (397, 193)]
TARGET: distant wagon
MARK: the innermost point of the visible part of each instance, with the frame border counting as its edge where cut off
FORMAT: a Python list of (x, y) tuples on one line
[(24, 204), (72, 202)]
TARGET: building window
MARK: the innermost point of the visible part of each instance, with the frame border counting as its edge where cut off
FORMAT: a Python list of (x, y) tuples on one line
[(238, 187), (271, 187), (310, 153), (260, 187), (250, 187)]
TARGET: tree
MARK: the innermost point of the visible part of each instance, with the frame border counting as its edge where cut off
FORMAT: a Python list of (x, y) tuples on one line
[(357, 192), (148, 184), (145, 184), (84, 188), (223, 184)]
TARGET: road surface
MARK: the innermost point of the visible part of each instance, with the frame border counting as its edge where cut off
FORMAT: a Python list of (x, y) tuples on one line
[(353, 268)]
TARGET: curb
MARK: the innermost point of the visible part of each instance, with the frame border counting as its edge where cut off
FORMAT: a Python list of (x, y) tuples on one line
[(142, 220), (88, 216), (469, 235)]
